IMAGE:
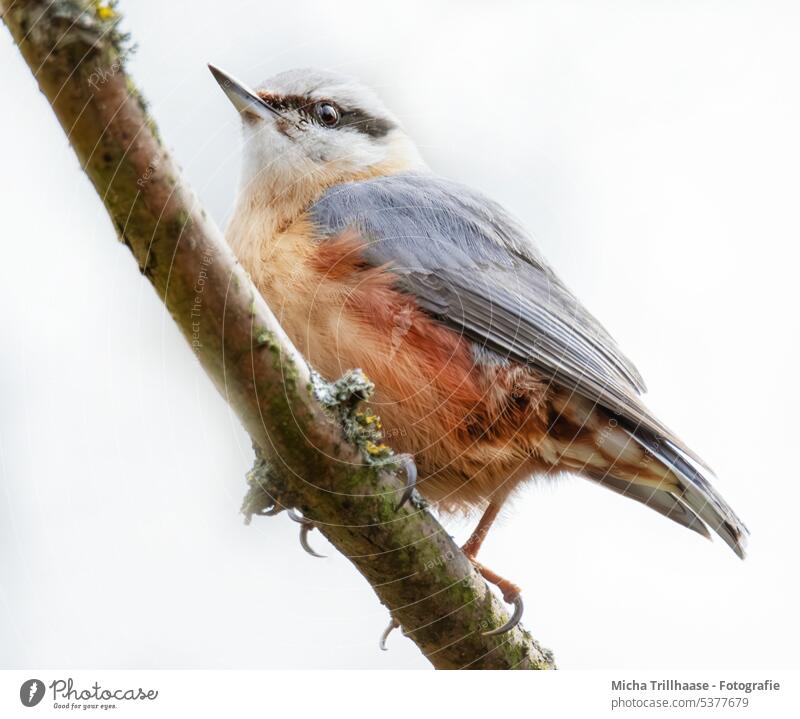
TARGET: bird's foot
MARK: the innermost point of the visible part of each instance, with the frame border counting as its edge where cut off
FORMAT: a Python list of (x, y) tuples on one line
[(406, 461), (512, 594), (269, 511), (394, 624), (306, 525), (262, 499)]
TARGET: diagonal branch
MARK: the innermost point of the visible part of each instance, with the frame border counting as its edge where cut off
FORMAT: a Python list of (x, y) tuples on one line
[(77, 54)]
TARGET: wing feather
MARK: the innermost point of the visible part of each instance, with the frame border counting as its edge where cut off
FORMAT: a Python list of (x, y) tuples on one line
[(471, 265)]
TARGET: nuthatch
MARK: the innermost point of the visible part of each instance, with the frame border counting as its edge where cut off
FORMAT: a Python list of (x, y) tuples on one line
[(487, 368)]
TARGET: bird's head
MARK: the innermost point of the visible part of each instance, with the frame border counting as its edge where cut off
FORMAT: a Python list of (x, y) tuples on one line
[(306, 130)]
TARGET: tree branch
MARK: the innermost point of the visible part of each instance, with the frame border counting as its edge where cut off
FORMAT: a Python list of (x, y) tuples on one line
[(77, 54)]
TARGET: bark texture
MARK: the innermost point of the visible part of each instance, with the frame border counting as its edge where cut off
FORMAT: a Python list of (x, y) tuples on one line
[(310, 453)]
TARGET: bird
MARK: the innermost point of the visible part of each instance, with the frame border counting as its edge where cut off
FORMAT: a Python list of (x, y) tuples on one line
[(488, 370)]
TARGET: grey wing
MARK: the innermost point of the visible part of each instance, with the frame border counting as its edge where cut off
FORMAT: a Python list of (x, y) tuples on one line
[(473, 267)]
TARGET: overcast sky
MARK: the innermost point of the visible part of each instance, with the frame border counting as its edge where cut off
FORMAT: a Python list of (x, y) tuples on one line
[(651, 148)]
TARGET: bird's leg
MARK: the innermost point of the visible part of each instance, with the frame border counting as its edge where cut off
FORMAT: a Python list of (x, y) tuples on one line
[(510, 591), (475, 541)]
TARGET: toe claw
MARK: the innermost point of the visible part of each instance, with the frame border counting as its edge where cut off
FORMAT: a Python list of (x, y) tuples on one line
[(511, 623), (410, 469), (271, 511), (295, 516), (304, 530), (386, 632), (306, 525)]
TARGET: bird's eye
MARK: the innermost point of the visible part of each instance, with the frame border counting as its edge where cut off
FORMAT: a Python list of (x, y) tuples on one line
[(327, 113)]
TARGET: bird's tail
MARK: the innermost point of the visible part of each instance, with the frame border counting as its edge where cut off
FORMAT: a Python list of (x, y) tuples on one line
[(652, 470)]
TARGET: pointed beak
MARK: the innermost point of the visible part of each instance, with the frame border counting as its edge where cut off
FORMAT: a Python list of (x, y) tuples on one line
[(242, 97)]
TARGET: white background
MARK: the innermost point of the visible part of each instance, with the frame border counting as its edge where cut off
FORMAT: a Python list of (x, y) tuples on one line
[(653, 150)]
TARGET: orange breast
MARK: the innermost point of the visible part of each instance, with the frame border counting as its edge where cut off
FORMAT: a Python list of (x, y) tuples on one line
[(471, 425)]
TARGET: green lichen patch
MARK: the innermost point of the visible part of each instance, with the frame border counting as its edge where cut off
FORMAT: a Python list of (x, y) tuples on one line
[(108, 17), (92, 22), (341, 396), (262, 488), (262, 336), (363, 428)]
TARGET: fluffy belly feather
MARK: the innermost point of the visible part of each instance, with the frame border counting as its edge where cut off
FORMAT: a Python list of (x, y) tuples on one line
[(473, 422)]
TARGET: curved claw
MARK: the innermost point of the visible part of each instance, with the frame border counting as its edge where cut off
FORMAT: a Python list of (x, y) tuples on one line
[(272, 511), (306, 525), (511, 623), (386, 632), (304, 530), (295, 516), (410, 469)]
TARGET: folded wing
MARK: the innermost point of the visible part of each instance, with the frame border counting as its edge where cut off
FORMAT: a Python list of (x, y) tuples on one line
[(474, 268)]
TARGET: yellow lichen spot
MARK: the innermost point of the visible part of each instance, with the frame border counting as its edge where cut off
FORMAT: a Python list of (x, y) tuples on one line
[(375, 449), (105, 12), (373, 419)]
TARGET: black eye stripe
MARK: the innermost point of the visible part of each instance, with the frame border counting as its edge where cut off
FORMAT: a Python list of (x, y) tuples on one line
[(364, 122), (352, 117)]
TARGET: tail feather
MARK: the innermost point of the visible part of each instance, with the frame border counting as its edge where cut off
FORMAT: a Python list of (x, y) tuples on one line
[(663, 502), (694, 491), (640, 462)]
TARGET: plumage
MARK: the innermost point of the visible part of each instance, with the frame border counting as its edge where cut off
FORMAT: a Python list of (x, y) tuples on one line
[(663, 502), (473, 267), (488, 370)]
